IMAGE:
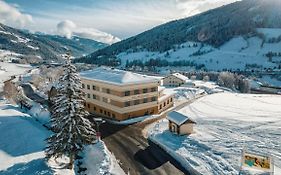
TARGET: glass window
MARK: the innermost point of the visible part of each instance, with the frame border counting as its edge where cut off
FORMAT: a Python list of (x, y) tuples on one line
[(153, 89), (88, 95), (101, 110), (94, 87), (83, 86), (153, 98), (113, 115), (136, 102), (95, 108), (144, 91), (88, 86), (160, 106), (94, 96), (145, 100), (108, 91), (105, 100), (127, 93), (137, 92), (127, 103)]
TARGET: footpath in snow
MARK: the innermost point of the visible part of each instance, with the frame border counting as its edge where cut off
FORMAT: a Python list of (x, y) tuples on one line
[(226, 124)]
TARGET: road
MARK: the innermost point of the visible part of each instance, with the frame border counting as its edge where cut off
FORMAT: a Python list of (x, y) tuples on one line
[(136, 153)]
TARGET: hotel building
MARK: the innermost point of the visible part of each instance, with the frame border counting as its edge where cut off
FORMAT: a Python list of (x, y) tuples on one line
[(120, 95)]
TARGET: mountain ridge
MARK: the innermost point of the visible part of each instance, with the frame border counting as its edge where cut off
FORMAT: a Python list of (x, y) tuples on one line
[(214, 27)]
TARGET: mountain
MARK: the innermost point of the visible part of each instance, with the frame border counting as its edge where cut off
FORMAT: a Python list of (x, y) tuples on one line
[(25, 45), (236, 36)]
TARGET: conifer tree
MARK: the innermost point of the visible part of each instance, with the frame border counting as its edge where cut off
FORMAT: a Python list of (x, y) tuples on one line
[(72, 130)]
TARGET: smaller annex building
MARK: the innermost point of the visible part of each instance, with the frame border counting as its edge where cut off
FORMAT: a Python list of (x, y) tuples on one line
[(180, 124), (175, 80)]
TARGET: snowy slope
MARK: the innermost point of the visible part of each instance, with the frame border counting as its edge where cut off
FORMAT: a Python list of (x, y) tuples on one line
[(9, 69), (21, 143), (226, 123), (234, 54)]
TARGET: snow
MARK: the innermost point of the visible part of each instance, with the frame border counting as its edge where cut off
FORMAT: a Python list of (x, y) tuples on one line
[(21, 143), (226, 124), (9, 69), (234, 54), (177, 118), (270, 32), (99, 161), (116, 76), (32, 47), (180, 76), (267, 79)]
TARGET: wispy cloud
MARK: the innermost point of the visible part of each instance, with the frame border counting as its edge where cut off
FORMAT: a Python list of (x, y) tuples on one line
[(69, 28)]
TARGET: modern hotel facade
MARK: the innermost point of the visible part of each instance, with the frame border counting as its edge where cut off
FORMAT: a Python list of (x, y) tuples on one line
[(121, 95)]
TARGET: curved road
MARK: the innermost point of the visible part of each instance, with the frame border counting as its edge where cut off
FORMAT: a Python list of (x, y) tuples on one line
[(136, 154)]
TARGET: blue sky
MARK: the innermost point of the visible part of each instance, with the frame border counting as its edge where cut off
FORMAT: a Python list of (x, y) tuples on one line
[(120, 18)]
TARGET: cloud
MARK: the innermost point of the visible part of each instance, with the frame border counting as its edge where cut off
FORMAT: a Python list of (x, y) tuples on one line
[(11, 16), (68, 28), (192, 7)]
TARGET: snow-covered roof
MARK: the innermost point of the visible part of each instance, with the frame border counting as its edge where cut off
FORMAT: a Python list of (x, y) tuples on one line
[(180, 76), (116, 76), (178, 118)]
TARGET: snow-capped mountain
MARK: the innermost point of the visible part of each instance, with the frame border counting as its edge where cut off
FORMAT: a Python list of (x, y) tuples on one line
[(22, 44), (241, 35)]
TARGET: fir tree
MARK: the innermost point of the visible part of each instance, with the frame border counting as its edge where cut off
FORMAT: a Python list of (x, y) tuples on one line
[(71, 129)]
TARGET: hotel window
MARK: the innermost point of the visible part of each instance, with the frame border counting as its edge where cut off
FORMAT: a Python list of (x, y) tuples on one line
[(137, 92), (83, 86), (144, 91), (88, 87), (136, 102), (145, 100), (127, 93), (127, 103), (153, 98), (104, 99), (94, 87), (153, 89), (108, 91), (88, 95), (94, 96), (113, 115)]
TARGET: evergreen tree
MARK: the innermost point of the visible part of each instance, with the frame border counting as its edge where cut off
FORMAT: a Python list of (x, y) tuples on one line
[(71, 129)]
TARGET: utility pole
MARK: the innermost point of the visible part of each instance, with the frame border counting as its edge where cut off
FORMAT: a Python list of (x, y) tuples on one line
[(99, 121)]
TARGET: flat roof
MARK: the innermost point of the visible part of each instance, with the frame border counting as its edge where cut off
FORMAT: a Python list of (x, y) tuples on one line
[(116, 76)]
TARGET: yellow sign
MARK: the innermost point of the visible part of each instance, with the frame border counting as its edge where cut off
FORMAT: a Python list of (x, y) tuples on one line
[(257, 161)]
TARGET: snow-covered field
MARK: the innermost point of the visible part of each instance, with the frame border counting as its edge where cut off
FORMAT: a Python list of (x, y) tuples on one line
[(22, 141), (9, 69), (226, 123)]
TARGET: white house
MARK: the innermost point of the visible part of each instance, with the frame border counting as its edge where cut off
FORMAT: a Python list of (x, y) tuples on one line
[(175, 80), (180, 124)]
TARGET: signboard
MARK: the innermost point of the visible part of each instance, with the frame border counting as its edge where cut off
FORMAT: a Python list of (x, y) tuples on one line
[(258, 162)]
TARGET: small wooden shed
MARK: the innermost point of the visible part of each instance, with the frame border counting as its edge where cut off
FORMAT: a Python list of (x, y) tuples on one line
[(180, 124)]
